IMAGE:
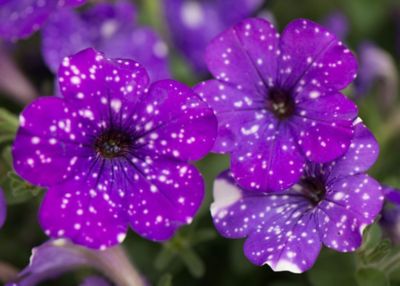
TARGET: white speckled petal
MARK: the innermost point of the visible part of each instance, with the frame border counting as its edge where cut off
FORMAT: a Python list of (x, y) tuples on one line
[(272, 163), (167, 196), (362, 154), (311, 56), (174, 121), (245, 55), (50, 142), (71, 210), (324, 126), (240, 116)]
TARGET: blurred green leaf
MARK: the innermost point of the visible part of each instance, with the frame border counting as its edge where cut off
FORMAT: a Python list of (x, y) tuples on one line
[(371, 277), (193, 262), (8, 125), (332, 269), (165, 280), (164, 258)]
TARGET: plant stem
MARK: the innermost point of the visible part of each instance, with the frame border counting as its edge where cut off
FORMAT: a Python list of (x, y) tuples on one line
[(115, 264)]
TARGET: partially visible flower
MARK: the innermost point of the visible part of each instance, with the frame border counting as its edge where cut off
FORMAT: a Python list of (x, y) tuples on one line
[(3, 208), (337, 23), (377, 68), (114, 151), (278, 101), (109, 28), (390, 220), (20, 18), (193, 23), (57, 257), (331, 205)]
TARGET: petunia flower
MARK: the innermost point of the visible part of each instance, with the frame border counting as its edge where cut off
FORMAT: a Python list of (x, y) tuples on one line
[(3, 208), (193, 23), (114, 151), (109, 28), (20, 18), (54, 258), (391, 214), (330, 205), (278, 101)]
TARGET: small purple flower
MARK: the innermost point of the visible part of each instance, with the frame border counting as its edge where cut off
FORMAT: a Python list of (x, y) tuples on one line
[(20, 18), (337, 23), (331, 205), (391, 214), (109, 28), (277, 100), (193, 23), (113, 152)]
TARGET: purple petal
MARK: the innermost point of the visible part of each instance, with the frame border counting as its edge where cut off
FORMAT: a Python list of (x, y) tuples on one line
[(168, 194), (193, 24), (392, 195), (95, 281), (361, 155), (49, 142), (279, 226), (101, 87), (75, 37), (272, 164), (21, 18), (85, 213), (237, 113), (175, 122), (324, 125), (109, 28), (351, 203), (338, 24), (245, 55), (312, 56), (3, 208), (51, 260)]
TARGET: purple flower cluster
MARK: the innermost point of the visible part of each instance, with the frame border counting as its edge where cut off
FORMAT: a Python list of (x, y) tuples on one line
[(113, 152), (298, 151), (20, 18), (108, 28)]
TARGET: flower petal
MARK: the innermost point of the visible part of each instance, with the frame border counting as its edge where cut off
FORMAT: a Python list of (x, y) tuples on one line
[(279, 226), (104, 89), (83, 214), (362, 154), (351, 203), (312, 56), (167, 195), (245, 55), (3, 208), (239, 116), (50, 142), (173, 121), (324, 126), (268, 165)]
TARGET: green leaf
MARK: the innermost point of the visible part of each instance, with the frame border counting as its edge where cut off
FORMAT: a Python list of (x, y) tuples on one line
[(8, 126), (193, 262), (332, 269), (164, 258), (369, 276), (165, 280)]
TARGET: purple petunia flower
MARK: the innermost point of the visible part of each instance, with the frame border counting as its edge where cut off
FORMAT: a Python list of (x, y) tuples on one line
[(113, 152), (277, 100), (330, 205), (391, 214), (193, 23), (21, 18), (109, 28)]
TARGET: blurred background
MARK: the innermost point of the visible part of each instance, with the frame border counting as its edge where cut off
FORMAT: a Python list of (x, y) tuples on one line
[(198, 255)]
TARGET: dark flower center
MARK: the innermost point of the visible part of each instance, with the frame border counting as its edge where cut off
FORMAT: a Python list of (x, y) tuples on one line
[(314, 189), (113, 143), (280, 102)]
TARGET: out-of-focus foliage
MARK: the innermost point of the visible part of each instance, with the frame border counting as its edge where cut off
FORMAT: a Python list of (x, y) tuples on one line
[(198, 255)]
